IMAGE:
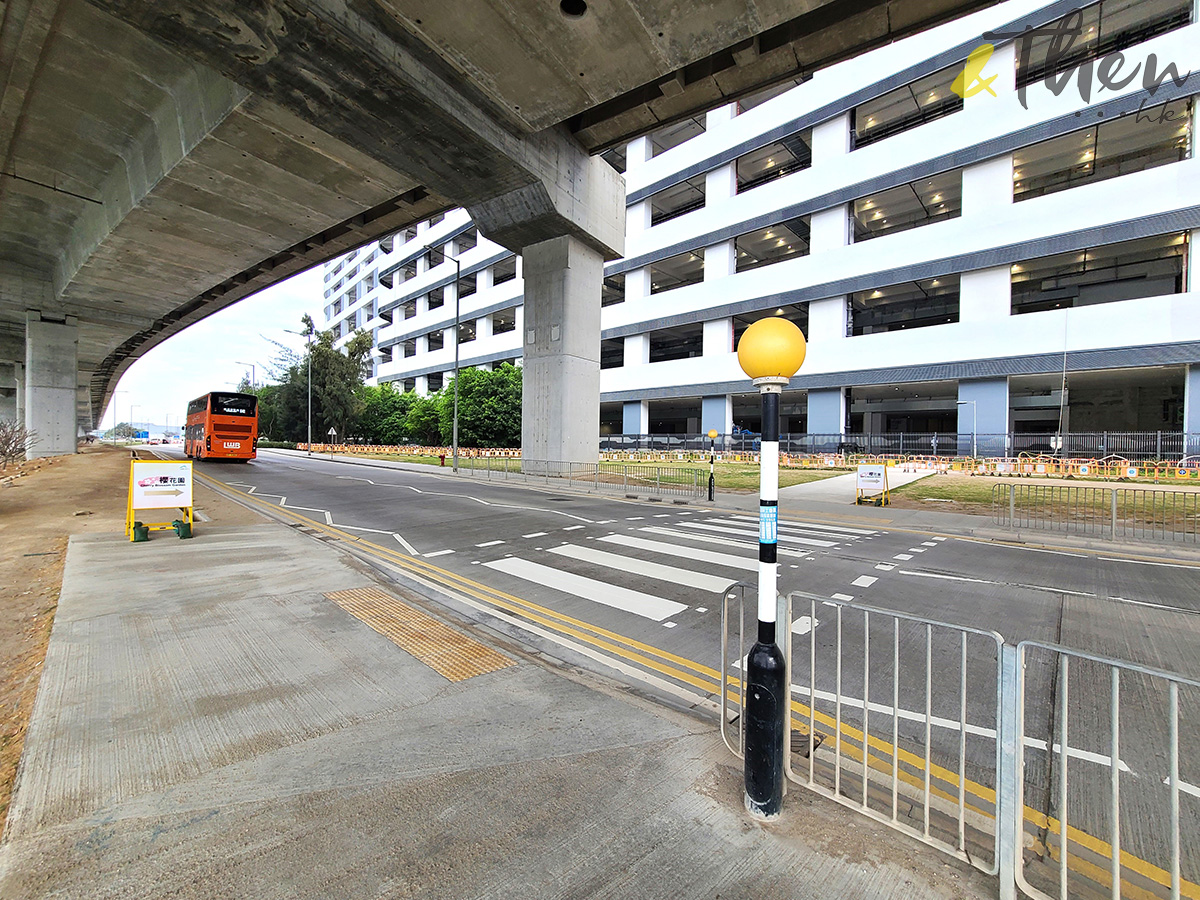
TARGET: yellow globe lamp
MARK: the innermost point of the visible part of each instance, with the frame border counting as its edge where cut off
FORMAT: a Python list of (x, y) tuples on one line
[(771, 350), (712, 434)]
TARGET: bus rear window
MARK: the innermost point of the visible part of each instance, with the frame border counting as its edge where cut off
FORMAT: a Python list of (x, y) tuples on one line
[(233, 405)]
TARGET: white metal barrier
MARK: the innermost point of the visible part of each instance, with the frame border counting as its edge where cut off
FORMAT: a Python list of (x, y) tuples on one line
[(947, 768)]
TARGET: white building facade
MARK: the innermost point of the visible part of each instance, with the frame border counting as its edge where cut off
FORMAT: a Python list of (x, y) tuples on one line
[(1012, 264)]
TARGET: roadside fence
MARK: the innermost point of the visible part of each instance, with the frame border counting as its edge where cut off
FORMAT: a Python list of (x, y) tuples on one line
[(655, 481), (1115, 513), (955, 738)]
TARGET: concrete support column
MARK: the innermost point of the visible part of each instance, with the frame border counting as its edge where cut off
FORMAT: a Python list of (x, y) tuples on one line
[(19, 379), (636, 417), (717, 414), (718, 338), (8, 394), (51, 384), (1191, 410), (985, 295), (827, 410), (636, 350), (561, 385), (720, 117), (983, 408), (720, 185), (828, 320), (483, 327), (637, 284), (483, 279), (422, 386), (720, 260)]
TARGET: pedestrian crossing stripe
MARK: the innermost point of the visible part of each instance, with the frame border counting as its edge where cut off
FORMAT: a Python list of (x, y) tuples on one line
[(625, 599), (783, 538), (660, 571)]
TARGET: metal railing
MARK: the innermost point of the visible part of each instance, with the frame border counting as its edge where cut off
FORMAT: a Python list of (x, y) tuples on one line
[(1114, 513), (1131, 445), (1099, 779), (968, 753), (657, 481)]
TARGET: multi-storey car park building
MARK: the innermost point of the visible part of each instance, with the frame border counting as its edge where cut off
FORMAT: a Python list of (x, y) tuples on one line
[(1011, 264)]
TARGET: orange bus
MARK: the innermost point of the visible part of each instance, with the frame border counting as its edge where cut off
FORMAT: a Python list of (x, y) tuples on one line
[(222, 425)]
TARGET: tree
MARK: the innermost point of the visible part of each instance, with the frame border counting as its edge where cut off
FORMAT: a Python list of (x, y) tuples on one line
[(422, 422), (489, 408), (122, 430), (383, 413)]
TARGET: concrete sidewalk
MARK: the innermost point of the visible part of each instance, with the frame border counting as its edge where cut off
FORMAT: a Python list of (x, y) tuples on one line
[(211, 724)]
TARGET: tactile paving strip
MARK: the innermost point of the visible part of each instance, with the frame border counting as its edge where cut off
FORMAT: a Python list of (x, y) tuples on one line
[(454, 656)]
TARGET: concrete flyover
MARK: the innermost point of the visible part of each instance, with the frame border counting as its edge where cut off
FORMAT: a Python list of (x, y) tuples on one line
[(165, 158)]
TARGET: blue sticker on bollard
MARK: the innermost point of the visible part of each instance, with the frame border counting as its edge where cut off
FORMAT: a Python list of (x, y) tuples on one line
[(768, 519)]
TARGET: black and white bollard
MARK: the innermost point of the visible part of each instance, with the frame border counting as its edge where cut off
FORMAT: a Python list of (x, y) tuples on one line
[(770, 352)]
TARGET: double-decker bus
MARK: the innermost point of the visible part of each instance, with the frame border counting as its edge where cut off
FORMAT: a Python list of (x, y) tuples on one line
[(221, 425)]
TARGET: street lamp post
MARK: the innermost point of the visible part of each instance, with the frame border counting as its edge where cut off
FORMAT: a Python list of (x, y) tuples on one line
[(974, 424), (114, 414), (253, 372), (712, 461), (770, 352), (133, 427), (308, 350), (457, 308)]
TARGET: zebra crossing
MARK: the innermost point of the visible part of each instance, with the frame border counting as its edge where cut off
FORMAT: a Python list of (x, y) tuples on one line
[(660, 561)]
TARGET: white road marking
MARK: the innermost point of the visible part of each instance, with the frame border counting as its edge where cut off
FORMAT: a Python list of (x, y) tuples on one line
[(813, 525), (1143, 562), (1030, 587), (437, 553), (804, 625), (808, 542), (662, 515), (864, 581), (916, 549), (405, 544), (634, 518), (1184, 787), (701, 609), (328, 517), (645, 605), (668, 624), (721, 559), (489, 543), (572, 527), (661, 572), (846, 597), (902, 556), (928, 544), (606, 521), (885, 567), (724, 542), (536, 534), (939, 538)]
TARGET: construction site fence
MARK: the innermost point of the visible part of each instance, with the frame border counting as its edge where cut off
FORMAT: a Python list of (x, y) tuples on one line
[(1113, 513)]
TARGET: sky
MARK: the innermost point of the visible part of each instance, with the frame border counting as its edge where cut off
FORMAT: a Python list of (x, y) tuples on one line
[(215, 353)]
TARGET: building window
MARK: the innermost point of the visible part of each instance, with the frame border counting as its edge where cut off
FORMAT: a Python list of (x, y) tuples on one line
[(505, 270), (897, 111), (466, 332), (1152, 137), (466, 241), (435, 256), (410, 309), (613, 290), (677, 271), (1148, 267), (796, 313), (408, 384), (764, 165), (437, 298), (675, 134), (787, 240), (466, 286), (615, 157), (677, 200), (909, 206), (912, 304), (758, 98), (437, 340), (410, 349), (612, 353), (1103, 28), (678, 342), (504, 321), (437, 219), (435, 380)]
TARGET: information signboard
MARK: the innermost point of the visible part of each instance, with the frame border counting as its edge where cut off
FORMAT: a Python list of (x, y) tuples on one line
[(871, 481), (160, 485)]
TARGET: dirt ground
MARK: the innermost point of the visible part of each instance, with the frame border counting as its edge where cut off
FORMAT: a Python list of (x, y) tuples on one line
[(42, 503)]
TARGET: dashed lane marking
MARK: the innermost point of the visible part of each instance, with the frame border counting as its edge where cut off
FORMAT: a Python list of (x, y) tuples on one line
[(864, 581)]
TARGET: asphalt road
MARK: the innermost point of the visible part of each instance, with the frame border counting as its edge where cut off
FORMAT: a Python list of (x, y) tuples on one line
[(641, 584)]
